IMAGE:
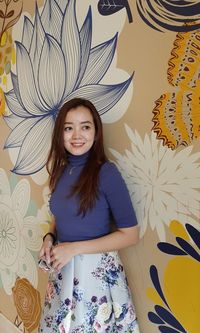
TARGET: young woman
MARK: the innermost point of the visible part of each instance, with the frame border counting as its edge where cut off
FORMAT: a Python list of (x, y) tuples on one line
[(87, 290)]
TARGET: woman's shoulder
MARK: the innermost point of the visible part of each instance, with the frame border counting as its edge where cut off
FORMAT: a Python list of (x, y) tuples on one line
[(108, 168), (109, 172)]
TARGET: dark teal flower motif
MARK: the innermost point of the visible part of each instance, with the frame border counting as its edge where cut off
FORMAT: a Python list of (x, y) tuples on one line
[(170, 15), (55, 62), (110, 7), (185, 248), (163, 317)]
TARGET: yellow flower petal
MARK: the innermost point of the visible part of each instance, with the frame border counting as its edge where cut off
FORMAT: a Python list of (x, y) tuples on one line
[(154, 296), (178, 230), (4, 38), (2, 102), (182, 291)]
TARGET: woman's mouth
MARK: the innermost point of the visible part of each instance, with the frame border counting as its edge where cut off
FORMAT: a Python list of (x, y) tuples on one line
[(77, 144)]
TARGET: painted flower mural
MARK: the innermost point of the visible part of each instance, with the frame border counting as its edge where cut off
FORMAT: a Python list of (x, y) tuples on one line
[(28, 303), (163, 15), (19, 234), (51, 69), (176, 115), (178, 300), (164, 184), (44, 214)]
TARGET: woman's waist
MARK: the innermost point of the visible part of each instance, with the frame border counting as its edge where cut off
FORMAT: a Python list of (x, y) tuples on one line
[(78, 238)]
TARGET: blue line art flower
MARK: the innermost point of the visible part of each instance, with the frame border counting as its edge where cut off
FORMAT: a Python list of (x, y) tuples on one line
[(20, 234), (163, 184), (55, 61)]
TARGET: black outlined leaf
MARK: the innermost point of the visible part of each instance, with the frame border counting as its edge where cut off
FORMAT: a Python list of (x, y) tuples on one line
[(109, 7), (154, 318), (2, 14), (13, 21), (10, 14), (194, 234), (169, 318), (166, 329), (188, 248), (156, 283), (171, 249)]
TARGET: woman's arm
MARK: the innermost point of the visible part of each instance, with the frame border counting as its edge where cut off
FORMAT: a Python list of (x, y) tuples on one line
[(62, 253), (48, 242), (116, 240)]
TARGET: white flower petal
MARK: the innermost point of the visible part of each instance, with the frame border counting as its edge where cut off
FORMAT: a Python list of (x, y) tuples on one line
[(32, 233), (36, 42), (62, 4), (33, 153), (9, 237), (12, 120), (71, 46), (28, 269), (51, 19), (28, 92), (27, 33), (160, 228), (21, 197), (52, 81), (99, 61), (18, 134), (8, 280), (104, 97), (14, 105), (85, 40), (4, 183), (17, 92)]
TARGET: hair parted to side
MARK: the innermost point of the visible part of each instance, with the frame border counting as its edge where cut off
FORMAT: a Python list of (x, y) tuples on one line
[(87, 185)]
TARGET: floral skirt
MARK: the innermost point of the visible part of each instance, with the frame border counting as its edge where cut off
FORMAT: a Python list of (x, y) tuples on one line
[(89, 295)]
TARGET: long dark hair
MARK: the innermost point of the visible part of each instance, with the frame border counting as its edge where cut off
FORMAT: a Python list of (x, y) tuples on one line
[(87, 185)]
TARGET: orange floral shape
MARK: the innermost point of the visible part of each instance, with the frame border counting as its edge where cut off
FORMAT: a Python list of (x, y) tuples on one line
[(176, 114), (28, 303), (184, 61)]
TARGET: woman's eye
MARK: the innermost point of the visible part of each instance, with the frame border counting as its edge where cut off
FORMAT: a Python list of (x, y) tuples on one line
[(68, 129), (86, 127)]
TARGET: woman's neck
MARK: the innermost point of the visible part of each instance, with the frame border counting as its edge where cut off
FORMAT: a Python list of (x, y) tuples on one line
[(76, 160)]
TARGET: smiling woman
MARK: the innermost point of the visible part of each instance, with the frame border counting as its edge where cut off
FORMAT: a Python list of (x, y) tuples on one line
[(87, 290)]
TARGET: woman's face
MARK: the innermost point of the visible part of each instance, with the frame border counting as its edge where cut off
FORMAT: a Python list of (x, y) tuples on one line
[(79, 131)]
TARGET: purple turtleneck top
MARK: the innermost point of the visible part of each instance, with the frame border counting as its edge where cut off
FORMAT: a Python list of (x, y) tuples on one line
[(113, 203)]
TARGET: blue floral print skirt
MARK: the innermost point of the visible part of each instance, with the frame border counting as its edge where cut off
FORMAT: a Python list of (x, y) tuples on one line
[(89, 295)]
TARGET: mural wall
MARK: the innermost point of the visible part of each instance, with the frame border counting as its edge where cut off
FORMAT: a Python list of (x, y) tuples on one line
[(139, 63)]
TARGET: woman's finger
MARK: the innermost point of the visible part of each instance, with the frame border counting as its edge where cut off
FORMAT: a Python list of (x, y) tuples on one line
[(47, 255)]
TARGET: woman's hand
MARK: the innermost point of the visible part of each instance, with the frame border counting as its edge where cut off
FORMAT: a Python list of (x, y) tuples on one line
[(45, 252), (61, 254)]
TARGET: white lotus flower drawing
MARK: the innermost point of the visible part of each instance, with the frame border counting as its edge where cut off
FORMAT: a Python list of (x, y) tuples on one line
[(163, 184), (19, 234), (55, 62)]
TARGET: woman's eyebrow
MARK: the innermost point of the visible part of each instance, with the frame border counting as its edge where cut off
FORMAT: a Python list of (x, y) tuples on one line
[(82, 122)]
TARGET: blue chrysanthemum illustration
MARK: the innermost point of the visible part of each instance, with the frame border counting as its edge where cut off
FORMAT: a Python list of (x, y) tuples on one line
[(55, 61)]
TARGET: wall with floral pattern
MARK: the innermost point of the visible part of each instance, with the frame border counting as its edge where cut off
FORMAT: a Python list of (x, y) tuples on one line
[(139, 63)]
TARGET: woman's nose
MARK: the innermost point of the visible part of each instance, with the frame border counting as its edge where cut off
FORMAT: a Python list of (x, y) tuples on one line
[(76, 133)]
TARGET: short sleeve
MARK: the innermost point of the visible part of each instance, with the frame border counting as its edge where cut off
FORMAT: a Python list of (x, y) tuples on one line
[(117, 196)]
